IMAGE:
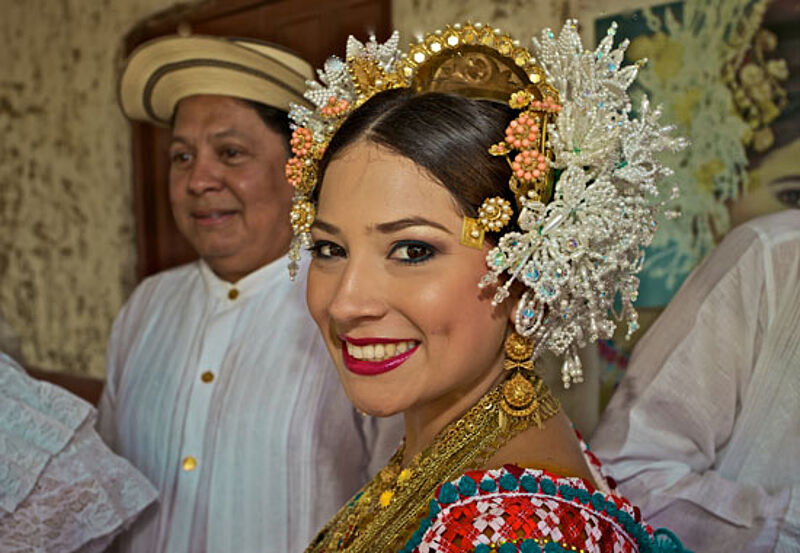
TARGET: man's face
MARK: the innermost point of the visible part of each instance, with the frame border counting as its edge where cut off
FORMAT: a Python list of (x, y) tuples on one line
[(227, 185)]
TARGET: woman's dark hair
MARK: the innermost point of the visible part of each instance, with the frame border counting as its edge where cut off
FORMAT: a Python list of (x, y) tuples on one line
[(446, 134)]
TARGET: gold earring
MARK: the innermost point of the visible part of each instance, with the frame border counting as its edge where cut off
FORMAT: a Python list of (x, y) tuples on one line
[(524, 394)]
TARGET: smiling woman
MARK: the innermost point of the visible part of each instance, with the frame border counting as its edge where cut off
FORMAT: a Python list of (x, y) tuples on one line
[(388, 268), (413, 175)]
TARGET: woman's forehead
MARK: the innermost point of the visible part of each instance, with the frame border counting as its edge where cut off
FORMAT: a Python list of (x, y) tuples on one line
[(368, 181)]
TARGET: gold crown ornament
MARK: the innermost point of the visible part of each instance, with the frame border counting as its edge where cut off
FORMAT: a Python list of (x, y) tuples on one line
[(580, 236), (475, 61)]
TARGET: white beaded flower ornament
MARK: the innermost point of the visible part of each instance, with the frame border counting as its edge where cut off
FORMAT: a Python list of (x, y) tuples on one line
[(584, 171)]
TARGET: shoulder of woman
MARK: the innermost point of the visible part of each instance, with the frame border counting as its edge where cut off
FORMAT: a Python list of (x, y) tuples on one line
[(516, 509)]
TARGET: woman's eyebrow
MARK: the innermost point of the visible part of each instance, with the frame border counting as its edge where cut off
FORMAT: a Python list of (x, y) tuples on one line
[(400, 224), (325, 227), (386, 228)]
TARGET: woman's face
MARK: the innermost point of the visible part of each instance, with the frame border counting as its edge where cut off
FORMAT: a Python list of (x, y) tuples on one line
[(395, 293)]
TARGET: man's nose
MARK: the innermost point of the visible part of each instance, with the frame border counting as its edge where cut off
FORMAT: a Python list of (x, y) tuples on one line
[(205, 175)]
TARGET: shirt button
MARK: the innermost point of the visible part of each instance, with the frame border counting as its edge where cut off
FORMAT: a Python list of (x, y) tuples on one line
[(207, 377), (189, 463), (233, 293)]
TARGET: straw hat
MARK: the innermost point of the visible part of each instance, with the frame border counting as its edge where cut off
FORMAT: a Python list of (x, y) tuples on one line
[(163, 71)]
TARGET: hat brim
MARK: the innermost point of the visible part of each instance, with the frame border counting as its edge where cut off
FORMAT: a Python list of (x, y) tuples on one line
[(162, 72)]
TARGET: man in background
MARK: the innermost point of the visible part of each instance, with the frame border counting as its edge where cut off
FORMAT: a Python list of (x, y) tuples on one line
[(219, 387)]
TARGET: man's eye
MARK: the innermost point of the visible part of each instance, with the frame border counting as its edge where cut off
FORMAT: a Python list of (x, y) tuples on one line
[(411, 251), (178, 158), (322, 249), (231, 153)]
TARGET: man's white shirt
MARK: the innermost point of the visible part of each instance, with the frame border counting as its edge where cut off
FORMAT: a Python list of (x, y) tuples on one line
[(225, 397)]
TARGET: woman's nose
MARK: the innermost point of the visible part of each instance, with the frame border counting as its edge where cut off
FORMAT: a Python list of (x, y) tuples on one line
[(359, 294)]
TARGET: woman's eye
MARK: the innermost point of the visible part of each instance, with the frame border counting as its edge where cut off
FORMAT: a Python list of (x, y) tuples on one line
[(411, 252), (322, 249)]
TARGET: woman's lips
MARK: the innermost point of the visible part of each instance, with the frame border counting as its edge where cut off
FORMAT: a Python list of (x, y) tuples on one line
[(371, 356)]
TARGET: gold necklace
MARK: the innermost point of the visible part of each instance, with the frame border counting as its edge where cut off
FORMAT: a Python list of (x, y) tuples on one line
[(385, 512)]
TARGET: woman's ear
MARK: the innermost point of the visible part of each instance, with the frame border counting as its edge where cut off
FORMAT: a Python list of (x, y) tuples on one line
[(513, 298), (512, 313)]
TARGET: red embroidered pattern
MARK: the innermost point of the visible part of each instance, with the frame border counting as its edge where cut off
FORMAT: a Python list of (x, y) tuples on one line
[(502, 515)]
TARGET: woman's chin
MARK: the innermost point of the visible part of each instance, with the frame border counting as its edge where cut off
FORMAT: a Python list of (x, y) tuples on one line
[(372, 395), (376, 407)]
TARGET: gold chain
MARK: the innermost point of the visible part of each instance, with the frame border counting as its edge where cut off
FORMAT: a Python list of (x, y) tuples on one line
[(387, 510)]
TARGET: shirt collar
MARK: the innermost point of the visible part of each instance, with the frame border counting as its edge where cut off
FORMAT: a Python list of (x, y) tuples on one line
[(244, 287)]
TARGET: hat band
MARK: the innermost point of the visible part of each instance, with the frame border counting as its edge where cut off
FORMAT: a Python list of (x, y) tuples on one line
[(187, 64)]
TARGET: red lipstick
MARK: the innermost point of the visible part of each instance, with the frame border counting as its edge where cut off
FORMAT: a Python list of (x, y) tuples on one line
[(371, 368)]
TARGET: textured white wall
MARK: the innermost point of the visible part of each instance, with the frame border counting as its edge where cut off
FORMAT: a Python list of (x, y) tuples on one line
[(66, 227)]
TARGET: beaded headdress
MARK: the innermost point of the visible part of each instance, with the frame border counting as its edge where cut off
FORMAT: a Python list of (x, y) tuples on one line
[(584, 172)]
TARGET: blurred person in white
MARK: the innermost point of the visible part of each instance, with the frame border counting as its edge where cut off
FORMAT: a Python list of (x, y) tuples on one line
[(61, 488), (704, 430), (219, 388)]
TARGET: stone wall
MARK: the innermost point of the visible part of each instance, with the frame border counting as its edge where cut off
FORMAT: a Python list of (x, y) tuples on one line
[(66, 226)]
